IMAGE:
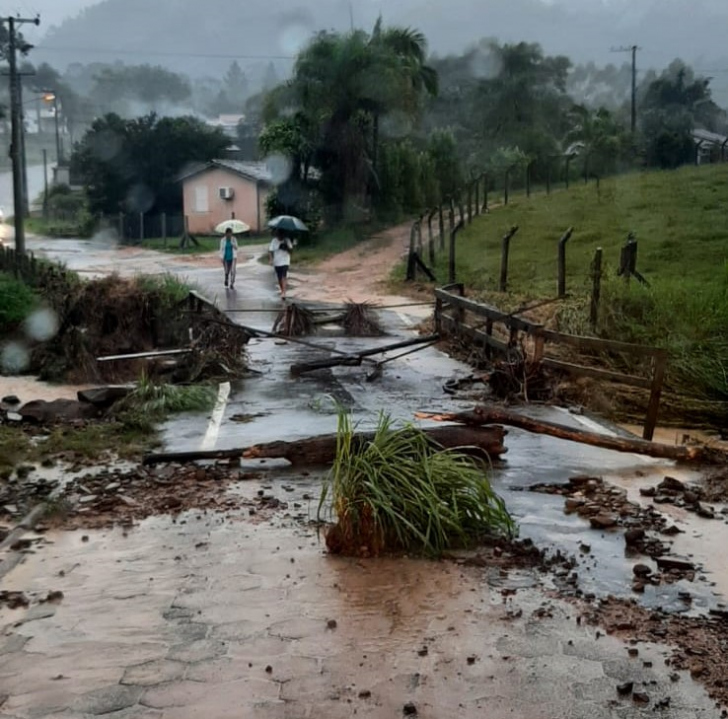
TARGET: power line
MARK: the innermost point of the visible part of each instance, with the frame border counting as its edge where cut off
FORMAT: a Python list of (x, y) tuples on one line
[(211, 56)]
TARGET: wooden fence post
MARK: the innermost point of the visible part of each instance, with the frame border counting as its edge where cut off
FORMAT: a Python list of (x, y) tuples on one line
[(121, 227), (418, 230), (562, 261), (658, 376), (569, 158), (505, 249), (596, 289), (431, 238), (164, 229), (470, 203), (441, 222), (411, 265), (141, 227), (451, 258), (506, 189)]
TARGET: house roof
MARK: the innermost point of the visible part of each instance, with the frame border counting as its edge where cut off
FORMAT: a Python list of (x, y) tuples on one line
[(256, 171), (707, 136)]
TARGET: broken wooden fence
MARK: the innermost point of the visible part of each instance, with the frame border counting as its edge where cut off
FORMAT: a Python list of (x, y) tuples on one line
[(451, 307)]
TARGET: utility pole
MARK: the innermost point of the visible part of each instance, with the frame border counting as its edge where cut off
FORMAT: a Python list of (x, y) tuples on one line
[(16, 130), (632, 49)]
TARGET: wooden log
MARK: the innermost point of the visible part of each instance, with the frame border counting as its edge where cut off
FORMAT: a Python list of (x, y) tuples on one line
[(318, 451), (481, 416)]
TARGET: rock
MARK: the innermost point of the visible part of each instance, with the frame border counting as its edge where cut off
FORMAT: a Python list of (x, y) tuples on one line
[(471, 660), (672, 530), (648, 491), (603, 521), (332, 624), (641, 570), (640, 698), (634, 536), (11, 400), (669, 563), (59, 410), (664, 499), (633, 652), (690, 497), (581, 481), (638, 588), (705, 512), (364, 694), (409, 710), (697, 670), (14, 417), (573, 504), (269, 669), (670, 484), (626, 688), (585, 548), (104, 396)]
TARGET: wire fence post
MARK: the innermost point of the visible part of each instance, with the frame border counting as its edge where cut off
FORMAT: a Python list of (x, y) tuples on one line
[(562, 261), (431, 237), (441, 222), (451, 258), (141, 227), (506, 188), (505, 250), (164, 229), (596, 289)]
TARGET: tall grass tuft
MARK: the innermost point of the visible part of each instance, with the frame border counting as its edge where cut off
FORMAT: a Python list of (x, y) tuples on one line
[(151, 402), (402, 492)]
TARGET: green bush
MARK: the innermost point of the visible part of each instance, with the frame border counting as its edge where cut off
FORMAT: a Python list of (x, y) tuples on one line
[(17, 301)]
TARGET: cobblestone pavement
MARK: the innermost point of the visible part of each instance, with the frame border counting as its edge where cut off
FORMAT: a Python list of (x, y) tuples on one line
[(230, 617)]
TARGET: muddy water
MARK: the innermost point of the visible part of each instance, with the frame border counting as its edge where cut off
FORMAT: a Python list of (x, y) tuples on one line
[(30, 388), (205, 617)]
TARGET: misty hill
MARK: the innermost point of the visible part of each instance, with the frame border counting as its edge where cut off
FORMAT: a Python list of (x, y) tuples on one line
[(200, 38)]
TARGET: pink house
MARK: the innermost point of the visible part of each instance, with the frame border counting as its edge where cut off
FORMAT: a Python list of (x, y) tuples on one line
[(223, 190)]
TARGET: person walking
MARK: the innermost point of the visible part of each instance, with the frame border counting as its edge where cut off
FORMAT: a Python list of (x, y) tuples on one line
[(280, 256), (229, 257)]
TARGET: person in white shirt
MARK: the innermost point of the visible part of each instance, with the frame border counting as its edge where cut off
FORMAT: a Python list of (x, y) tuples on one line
[(229, 256), (280, 256)]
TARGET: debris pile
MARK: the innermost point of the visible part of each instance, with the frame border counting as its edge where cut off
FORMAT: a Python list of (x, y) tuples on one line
[(294, 321), (673, 491), (360, 320), (699, 643)]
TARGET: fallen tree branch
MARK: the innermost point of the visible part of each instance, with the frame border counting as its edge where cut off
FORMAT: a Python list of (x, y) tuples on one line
[(318, 451), (482, 415)]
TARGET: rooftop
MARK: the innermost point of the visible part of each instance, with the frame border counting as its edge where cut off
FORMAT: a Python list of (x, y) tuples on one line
[(257, 171)]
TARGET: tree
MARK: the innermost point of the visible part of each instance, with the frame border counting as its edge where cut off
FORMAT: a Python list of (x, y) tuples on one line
[(132, 165), (342, 85), (598, 137), (154, 87), (672, 105)]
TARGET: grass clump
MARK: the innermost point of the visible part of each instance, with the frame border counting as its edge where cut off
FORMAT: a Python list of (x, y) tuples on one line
[(151, 402), (17, 301), (402, 492)]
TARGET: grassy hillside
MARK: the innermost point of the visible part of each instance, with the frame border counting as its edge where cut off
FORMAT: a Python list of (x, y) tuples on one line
[(680, 219)]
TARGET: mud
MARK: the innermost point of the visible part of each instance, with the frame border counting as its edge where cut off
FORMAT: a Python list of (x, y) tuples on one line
[(700, 644), (120, 497)]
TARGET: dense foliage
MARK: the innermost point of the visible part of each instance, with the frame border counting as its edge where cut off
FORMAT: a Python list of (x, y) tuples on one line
[(132, 165)]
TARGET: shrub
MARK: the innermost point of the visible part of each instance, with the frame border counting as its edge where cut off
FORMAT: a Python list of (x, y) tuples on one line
[(17, 301)]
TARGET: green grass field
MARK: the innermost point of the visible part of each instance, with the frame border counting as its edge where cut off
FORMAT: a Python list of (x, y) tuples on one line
[(680, 220)]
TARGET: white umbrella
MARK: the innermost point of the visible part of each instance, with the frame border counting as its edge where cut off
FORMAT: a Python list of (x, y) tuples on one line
[(237, 226)]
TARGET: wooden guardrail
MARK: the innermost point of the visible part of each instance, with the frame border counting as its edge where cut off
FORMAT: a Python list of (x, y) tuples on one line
[(451, 307)]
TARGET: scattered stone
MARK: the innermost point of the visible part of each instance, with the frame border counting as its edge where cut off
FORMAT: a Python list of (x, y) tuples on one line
[(585, 548), (59, 410), (669, 564), (332, 624), (409, 710), (365, 694), (11, 400), (423, 652), (670, 484), (269, 669), (640, 698), (648, 491), (641, 570), (672, 530), (471, 660), (697, 670), (104, 396), (705, 512), (634, 536), (633, 652), (603, 521), (625, 689)]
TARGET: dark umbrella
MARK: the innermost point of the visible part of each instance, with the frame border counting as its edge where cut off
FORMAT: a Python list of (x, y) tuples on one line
[(287, 223)]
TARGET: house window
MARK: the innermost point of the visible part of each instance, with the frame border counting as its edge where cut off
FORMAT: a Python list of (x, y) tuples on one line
[(202, 203)]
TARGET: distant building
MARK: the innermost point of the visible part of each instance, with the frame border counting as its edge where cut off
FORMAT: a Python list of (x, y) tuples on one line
[(225, 189), (709, 147)]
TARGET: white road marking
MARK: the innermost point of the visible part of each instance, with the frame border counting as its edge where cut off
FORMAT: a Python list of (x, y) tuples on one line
[(213, 428), (407, 321)]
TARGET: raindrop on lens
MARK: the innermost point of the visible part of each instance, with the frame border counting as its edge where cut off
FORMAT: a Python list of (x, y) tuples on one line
[(41, 325), (14, 358), (280, 168)]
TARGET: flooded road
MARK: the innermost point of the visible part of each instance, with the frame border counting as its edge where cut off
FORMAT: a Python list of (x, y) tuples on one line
[(235, 616)]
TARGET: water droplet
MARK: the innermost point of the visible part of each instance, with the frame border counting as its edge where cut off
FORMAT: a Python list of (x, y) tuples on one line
[(280, 167), (41, 325), (14, 358)]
